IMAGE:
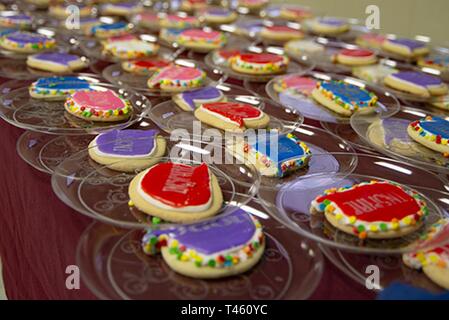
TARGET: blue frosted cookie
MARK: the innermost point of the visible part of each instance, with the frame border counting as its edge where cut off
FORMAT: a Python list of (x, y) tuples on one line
[(57, 88)]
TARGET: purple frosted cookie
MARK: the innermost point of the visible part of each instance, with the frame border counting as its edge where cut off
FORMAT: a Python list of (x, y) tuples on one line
[(406, 47), (417, 83), (57, 62), (15, 20), (329, 26), (26, 42), (189, 100)]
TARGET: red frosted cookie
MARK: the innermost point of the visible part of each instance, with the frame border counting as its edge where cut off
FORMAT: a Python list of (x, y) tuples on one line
[(223, 56), (144, 67), (259, 63), (355, 57)]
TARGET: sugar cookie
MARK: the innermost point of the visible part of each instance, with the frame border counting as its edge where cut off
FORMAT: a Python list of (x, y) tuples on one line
[(373, 210), (177, 79), (26, 42), (295, 83), (431, 132), (417, 83), (57, 62), (249, 27), (374, 74), (122, 8), (130, 48), (189, 100), (329, 26), (252, 4), (371, 40), (176, 192), (173, 21), (222, 56), (108, 30), (406, 47), (437, 61), (57, 88), (147, 20), (355, 57), (193, 5), (145, 67), (280, 33), (309, 47), (16, 20), (295, 13), (200, 40), (259, 63), (218, 15)]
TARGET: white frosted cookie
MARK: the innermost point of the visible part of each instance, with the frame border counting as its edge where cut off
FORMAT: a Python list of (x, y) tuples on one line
[(306, 46), (130, 48), (431, 132), (223, 246), (407, 48), (417, 83), (127, 150), (176, 192), (373, 210), (355, 57), (433, 256), (232, 116), (57, 62), (190, 100)]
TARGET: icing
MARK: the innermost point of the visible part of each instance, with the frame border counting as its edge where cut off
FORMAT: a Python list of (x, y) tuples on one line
[(434, 129), (224, 241), (228, 53), (26, 38), (131, 48), (56, 57), (373, 38), (303, 85), (126, 143), (180, 73), (438, 60), (260, 62), (110, 27), (357, 53), (233, 112), (150, 64), (177, 76), (418, 78), (372, 207), (198, 34), (260, 58), (409, 43), (201, 95), (334, 22), (59, 85), (177, 187)]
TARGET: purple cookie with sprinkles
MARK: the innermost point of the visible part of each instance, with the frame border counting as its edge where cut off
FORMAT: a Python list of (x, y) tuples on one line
[(57, 62), (189, 100), (15, 20), (407, 48), (26, 42), (417, 83), (127, 150)]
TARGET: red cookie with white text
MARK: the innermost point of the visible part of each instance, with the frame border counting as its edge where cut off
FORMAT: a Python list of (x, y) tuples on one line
[(176, 192), (232, 116), (373, 210)]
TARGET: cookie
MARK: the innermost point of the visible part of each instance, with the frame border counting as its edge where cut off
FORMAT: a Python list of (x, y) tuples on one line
[(407, 48), (145, 67), (60, 10), (309, 47), (355, 57), (225, 246), (432, 257), (371, 40), (222, 57), (200, 40), (431, 132), (57, 88), (41, 4), (102, 106), (16, 20), (218, 15), (441, 102), (177, 79), (170, 36), (373, 210), (57, 62), (172, 21), (375, 73), (343, 98), (130, 48), (26, 42), (193, 5), (280, 33), (190, 100), (437, 61), (274, 155), (147, 20), (259, 63), (249, 27), (176, 192), (295, 83), (107, 30), (416, 83), (122, 8), (295, 13), (85, 25), (127, 150), (252, 4), (329, 26), (232, 116)]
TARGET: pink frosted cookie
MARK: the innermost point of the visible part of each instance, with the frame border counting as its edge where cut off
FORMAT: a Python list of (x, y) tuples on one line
[(103, 106), (355, 57), (177, 79), (297, 84), (281, 33), (371, 40), (200, 40), (173, 21)]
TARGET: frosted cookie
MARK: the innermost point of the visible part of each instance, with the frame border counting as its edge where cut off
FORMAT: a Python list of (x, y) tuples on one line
[(259, 63), (407, 48), (308, 47), (297, 84), (85, 24), (441, 102), (225, 246), (193, 5), (232, 116), (433, 256), (26, 42), (371, 40), (190, 100), (249, 27), (200, 40), (355, 57), (218, 15), (110, 30), (122, 8), (281, 33), (438, 62), (147, 20), (145, 67), (173, 21), (41, 4), (329, 26), (252, 4), (222, 57), (57, 62), (177, 79), (130, 48), (102, 106), (431, 132), (170, 35), (295, 13), (417, 83), (373, 210), (61, 11), (57, 88), (127, 150), (275, 156), (343, 98), (176, 192), (375, 73), (16, 20)]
